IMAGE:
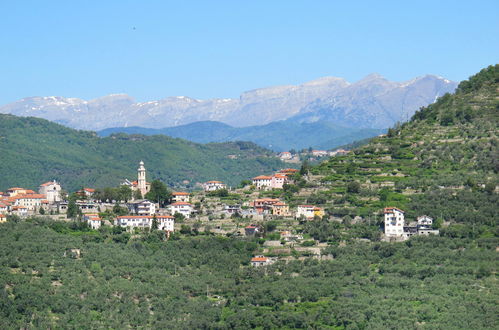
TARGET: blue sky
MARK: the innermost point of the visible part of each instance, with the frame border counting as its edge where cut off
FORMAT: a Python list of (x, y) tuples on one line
[(204, 49)]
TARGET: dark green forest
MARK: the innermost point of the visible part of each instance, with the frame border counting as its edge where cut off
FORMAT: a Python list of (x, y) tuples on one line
[(35, 150)]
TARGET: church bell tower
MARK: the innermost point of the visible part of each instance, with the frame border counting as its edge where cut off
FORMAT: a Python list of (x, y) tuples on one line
[(141, 178)]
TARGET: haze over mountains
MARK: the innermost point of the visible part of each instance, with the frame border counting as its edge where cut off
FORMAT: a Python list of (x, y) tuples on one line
[(373, 102)]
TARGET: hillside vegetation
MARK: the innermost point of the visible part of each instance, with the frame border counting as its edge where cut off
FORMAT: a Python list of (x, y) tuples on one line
[(35, 150), (444, 162)]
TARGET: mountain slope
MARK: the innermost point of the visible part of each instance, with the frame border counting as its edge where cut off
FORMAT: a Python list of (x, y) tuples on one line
[(444, 163), (278, 136), (373, 102), (36, 150)]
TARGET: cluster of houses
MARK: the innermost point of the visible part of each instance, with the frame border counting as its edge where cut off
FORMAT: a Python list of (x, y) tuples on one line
[(275, 181), (395, 227)]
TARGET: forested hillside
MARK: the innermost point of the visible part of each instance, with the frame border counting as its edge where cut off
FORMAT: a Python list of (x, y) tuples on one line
[(206, 282), (35, 150)]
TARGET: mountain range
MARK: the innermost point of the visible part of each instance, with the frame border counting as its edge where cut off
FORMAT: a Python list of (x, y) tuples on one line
[(373, 102), (277, 136)]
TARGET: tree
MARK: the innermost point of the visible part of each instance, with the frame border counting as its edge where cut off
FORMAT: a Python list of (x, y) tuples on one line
[(158, 193), (137, 194), (41, 211), (305, 167), (353, 187), (154, 225), (73, 209), (124, 193)]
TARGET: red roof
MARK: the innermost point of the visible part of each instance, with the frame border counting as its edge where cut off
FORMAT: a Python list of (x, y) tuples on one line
[(89, 189), (181, 203), (46, 184), (214, 182), (262, 177), (288, 170), (30, 196), (260, 259), (391, 209), (145, 216), (180, 193), (280, 204)]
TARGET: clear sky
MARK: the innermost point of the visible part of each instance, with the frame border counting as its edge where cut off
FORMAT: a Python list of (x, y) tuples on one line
[(205, 49)]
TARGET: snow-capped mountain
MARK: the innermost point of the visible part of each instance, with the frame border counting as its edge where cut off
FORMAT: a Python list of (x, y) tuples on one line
[(372, 102)]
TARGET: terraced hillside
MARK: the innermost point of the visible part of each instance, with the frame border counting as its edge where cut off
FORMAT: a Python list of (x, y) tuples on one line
[(444, 162)]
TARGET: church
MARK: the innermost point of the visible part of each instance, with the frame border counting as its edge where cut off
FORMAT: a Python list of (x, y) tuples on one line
[(141, 184)]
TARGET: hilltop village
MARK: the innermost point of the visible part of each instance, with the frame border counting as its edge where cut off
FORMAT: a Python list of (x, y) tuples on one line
[(216, 209)]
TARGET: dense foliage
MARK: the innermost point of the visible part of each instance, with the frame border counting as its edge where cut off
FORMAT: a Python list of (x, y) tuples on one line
[(206, 282), (36, 150)]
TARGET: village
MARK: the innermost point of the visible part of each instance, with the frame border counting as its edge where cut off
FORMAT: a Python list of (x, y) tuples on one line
[(204, 210)]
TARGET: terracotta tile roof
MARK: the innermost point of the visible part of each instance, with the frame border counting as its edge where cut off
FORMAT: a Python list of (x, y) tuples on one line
[(180, 203), (262, 177), (46, 184), (214, 182), (145, 217), (30, 196), (259, 259), (280, 204), (89, 189), (180, 193), (391, 209), (16, 188)]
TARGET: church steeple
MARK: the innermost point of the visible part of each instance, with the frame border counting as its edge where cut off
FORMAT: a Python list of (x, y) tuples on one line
[(141, 178)]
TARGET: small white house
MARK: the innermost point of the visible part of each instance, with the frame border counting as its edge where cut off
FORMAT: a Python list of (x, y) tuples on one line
[(214, 185), (259, 261), (183, 208), (142, 207), (305, 210), (93, 220), (180, 196), (165, 222)]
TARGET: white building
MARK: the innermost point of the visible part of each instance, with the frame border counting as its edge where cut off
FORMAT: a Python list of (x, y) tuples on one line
[(394, 222), (52, 191), (180, 196), (425, 220), (183, 208), (259, 261), (142, 207), (285, 155), (262, 182), (165, 222), (93, 220), (214, 185), (275, 181), (306, 211)]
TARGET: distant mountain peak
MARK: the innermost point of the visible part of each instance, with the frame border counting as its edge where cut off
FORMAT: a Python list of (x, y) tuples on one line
[(370, 102)]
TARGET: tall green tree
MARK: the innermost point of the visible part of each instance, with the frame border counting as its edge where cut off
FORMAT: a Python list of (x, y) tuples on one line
[(159, 193)]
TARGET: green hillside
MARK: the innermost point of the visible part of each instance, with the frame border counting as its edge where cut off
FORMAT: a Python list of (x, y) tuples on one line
[(444, 162), (35, 150)]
